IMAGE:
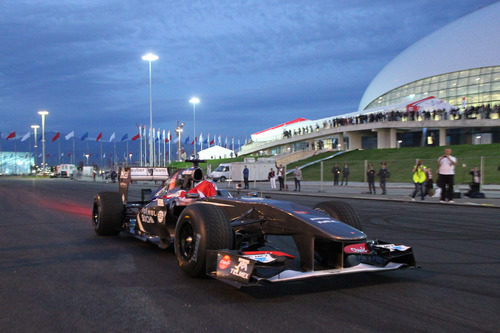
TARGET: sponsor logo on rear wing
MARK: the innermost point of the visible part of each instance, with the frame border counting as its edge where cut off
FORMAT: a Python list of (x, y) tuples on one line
[(133, 174), (149, 174)]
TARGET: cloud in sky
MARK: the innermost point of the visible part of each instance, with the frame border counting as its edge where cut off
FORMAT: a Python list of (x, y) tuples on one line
[(253, 63)]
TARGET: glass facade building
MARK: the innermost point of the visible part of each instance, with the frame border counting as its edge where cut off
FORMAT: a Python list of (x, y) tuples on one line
[(16, 163), (477, 86)]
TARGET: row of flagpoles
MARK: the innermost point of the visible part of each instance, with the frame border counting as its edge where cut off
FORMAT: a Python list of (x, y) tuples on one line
[(159, 137)]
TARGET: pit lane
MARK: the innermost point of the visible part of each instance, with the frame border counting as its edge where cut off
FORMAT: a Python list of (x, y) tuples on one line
[(57, 275)]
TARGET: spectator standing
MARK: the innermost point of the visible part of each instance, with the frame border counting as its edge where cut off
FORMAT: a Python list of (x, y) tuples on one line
[(370, 175), (345, 174), (429, 183), (476, 180), (336, 173), (246, 172), (419, 179), (271, 176), (281, 176), (383, 174), (297, 174), (446, 173)]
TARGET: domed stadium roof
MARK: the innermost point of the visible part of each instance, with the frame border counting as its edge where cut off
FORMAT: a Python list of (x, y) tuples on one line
[(470, 42)]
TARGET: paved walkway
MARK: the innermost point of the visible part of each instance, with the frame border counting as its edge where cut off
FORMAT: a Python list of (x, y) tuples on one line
[(358, 190)]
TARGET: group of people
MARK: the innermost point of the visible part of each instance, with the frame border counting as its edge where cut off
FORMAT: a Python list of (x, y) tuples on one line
[(423, 181), (422, 177), (336, 171), (383, 175), (471, 112), (280, 174)]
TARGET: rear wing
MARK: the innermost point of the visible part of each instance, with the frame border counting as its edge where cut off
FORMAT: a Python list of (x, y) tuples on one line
[(128, 175)]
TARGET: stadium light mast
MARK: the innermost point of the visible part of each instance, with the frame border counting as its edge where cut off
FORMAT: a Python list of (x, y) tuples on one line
[(150, 57), (43, 113), (194, 101)]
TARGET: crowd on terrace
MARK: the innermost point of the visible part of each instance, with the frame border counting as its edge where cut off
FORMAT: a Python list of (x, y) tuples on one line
[(471, 112)]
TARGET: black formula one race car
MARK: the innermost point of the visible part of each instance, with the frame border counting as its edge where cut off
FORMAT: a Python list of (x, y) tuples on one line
[(245, 240)]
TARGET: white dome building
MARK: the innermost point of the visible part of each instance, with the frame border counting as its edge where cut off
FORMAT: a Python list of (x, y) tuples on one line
[(459, 63)]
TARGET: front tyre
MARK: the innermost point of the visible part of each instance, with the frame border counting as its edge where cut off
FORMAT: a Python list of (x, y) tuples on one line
[(108, 213), (200, 227), (341, 211)]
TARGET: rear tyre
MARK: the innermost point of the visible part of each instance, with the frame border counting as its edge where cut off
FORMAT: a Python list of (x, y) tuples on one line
[(341, 211), (222, 179), (108, 213), (200, 227)]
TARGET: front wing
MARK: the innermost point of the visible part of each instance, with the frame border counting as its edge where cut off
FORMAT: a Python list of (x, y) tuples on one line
[(253, 268)]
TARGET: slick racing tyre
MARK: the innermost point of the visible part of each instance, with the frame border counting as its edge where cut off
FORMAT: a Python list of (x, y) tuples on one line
[(200, 227), (341, 211), (108, 213)]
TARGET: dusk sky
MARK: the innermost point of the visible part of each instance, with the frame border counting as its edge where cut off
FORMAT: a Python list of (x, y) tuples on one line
[(253, 64)]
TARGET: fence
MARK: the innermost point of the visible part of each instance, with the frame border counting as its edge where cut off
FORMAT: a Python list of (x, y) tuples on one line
[(401, 170)]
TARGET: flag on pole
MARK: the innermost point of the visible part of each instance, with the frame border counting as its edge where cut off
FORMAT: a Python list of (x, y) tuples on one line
[(85, 136), (168, 138), (11, 135), (25, 136), (112, 137), (56, 136), (186, 141), (99, 136), (219, 141), (135, 137), (213, 141), (225, 143), (124, 137), (70, 135)]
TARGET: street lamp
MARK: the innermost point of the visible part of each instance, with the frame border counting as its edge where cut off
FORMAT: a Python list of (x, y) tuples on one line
[(87, 157), (35, 128), (43, 113), (194, 101), (150, 57), (179, 130)]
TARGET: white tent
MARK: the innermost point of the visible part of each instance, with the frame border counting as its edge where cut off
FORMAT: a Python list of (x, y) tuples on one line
[(215, 152)]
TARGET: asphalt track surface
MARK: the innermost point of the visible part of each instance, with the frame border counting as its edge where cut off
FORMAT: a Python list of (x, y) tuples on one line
[(56, 275)]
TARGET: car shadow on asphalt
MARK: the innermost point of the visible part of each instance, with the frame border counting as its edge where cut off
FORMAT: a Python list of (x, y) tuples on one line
[(332, 283)]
